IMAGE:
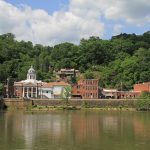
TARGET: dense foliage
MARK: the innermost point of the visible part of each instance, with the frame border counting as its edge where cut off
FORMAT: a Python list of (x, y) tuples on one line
[(1, 88), (118, 62), (143, 102)]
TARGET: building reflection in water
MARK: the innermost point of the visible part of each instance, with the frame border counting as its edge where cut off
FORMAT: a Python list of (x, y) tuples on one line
[(65, 128), (85, 127), (53, 126)]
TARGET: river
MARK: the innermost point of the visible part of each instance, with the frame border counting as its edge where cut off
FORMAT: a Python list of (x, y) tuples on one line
[(75, 130)]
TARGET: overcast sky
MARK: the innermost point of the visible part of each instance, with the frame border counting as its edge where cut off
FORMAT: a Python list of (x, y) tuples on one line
[(51, 22)]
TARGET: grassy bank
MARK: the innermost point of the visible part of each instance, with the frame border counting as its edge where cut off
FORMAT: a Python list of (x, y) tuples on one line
[(63, 107)]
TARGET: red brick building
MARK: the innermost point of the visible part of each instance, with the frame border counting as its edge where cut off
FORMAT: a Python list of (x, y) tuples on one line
[(86, 89), (127, 94), (142, 87), (114, 93)]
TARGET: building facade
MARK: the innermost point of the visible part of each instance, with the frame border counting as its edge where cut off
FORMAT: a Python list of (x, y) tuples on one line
[(29, 88), (86, 89), (142, 87), (53, 90), (114, 93), (67, 74)]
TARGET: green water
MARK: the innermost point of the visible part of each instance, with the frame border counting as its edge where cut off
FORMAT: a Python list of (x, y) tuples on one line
[(75, 130)]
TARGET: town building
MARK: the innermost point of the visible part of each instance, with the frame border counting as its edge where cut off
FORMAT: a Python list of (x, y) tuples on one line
[(109, 93), (29, 88), (67, 74), (114, 93), (32, 88), (142, 87), (53, 90), (86, 89)]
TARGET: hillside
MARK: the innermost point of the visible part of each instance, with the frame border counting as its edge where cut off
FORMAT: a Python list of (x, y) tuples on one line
[(121, 61)]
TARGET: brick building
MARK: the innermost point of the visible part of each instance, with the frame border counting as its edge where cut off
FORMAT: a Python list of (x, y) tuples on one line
[(86, 89), (142, 87), (127, 94), (114, 93)]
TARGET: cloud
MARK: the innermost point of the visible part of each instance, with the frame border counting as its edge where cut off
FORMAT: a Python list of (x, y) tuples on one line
[(40, 27), (82, 19), (117, 29), (131, 11)]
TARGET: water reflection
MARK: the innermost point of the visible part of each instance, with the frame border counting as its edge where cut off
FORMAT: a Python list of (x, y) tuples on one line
[(75, 130)]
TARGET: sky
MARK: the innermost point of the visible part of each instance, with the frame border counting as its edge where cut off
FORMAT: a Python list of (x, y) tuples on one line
[(50, 22)]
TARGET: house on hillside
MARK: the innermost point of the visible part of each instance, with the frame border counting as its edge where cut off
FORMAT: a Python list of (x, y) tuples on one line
[(67, 74)]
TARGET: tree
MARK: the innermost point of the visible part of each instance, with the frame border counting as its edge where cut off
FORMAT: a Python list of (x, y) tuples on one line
[(143, 102), (89, 75), (66, 94), (1, 88), (123, 59)]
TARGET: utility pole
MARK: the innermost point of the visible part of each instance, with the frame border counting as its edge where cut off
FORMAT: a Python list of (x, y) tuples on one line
[(7, 88), (121, 89)]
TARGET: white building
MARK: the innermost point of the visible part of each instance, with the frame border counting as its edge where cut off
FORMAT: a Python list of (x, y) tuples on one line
[(53, 89), (30, 87)]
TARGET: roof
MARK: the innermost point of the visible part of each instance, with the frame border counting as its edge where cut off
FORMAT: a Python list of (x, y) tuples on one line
[(67, 71), (51, 84), (84, 80), (28, 81), (143, 83), (110, 90)]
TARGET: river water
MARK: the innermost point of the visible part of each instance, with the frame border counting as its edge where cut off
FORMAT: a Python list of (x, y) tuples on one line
[(75, 130)]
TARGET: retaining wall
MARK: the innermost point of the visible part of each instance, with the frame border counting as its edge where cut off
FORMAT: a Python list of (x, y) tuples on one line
[(17, 103), (88, 103), (100, 103)]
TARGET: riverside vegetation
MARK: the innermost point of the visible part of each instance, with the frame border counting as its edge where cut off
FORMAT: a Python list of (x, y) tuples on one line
[(143, 102), (118, 63)]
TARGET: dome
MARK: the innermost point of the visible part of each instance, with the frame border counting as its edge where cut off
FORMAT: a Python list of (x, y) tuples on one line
[(31, 71), (31, 75)]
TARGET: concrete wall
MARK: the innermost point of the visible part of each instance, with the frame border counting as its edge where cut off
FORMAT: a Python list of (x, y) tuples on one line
[(88, 103), (17, 103), (21, 104)]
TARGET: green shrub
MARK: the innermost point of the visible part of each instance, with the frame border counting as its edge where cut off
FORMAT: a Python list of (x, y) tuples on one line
[(84, 104), (143, 102)]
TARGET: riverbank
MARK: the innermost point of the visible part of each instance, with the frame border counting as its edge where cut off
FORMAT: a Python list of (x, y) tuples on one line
[(73, 104), (53, 108)]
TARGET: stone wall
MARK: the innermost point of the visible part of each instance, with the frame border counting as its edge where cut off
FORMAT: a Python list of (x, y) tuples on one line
[(105, 103), (88, 103), (17, 103)]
